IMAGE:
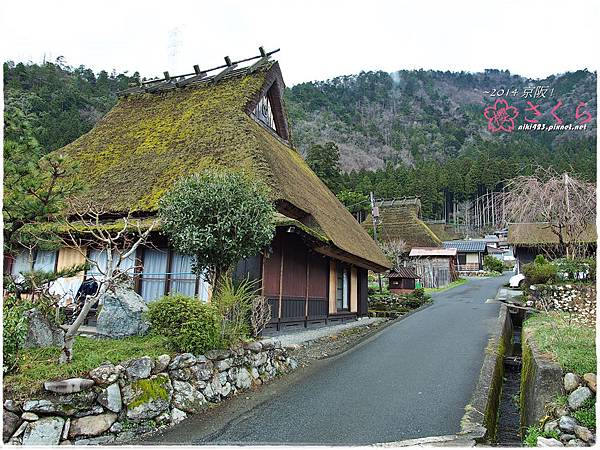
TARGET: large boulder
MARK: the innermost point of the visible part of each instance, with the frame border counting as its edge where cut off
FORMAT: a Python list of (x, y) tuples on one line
[(122, 314), (40, 332)]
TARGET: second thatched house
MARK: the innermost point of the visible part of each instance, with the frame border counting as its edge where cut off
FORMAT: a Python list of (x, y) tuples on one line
[(315, 270)]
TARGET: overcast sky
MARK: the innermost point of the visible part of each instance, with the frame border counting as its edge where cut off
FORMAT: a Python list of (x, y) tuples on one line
[(318, 39)]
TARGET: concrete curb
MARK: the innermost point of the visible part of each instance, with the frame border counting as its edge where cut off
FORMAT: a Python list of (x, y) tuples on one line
[(480, 416)]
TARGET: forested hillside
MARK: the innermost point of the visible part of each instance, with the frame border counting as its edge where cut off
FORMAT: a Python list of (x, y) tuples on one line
[(401, 134)]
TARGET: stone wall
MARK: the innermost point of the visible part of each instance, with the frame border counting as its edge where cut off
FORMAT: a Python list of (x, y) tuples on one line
[(576, 299), (119, 403)]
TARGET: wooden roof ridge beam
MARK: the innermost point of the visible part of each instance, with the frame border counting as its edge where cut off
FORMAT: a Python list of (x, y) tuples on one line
[(230, 68)]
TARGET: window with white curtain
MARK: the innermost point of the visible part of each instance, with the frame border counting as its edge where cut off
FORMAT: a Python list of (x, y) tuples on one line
[(99, 258), (20, 263), (180, 278), (153, 277), (183, 281), (45, 261)]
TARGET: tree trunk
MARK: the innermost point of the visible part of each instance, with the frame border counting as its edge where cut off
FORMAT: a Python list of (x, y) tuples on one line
[(66, 354)]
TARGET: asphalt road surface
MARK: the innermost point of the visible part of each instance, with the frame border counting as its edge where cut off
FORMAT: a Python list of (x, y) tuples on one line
[(411, 380)]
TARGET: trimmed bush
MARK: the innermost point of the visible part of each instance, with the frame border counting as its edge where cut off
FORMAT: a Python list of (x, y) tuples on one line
[(189, 324), (492, 264), (540, 271)]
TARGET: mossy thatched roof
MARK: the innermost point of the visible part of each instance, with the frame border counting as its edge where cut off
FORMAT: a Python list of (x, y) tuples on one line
[(403, 222), (534, 234), (149, 141)]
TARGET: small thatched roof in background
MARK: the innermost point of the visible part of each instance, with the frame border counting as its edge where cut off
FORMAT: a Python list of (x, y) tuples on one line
[(403, 272), (149, 141), (400, 219), (534, 234)]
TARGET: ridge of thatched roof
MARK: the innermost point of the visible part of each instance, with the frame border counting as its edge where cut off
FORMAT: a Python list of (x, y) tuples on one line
[(539, 233), (403, 222), (149, 141)]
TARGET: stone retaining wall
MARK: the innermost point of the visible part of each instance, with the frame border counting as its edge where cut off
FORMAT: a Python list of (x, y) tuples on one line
[(119, 403), (541, 382), (576, 299)]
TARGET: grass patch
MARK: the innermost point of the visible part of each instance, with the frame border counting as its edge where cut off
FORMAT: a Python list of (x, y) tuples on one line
[(534, 432), (454, 284), (40, 364), (586, 415), (573, 345)]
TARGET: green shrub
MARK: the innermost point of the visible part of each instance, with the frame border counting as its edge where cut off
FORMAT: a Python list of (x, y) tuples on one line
[(540, 271), (233, 301), (201, 334), (14, 331), (492, 264), (189, 324), (170, 312), (534, 432), (570, 269), (586, 415)]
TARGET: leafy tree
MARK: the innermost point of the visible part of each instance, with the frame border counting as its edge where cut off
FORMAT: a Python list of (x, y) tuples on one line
[(35, 186), (324, 160), (219, 218)]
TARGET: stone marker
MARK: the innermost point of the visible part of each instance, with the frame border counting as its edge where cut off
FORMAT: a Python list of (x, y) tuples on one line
[(68, 386)]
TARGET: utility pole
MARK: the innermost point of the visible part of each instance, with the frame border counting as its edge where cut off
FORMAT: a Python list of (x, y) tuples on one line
[(375, 217)]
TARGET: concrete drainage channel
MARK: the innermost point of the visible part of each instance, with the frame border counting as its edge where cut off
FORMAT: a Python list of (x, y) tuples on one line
[(492, 417)]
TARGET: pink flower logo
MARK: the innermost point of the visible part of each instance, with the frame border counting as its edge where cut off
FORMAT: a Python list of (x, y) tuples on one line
[(501, 116)]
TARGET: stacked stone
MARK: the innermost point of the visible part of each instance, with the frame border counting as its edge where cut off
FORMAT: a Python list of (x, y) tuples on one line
[(579, 300), (571, 433), (118, 403)]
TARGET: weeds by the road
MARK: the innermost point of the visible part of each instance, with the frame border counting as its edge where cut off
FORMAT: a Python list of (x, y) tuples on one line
[(458, 282), (574, 345)]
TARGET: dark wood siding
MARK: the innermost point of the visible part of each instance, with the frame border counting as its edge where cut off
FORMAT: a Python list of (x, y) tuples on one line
[(272, 270), (318, 279), (294, 267), (248, 268), (363, 292)]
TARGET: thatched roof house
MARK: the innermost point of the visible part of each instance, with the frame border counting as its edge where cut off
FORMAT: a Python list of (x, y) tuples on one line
[(401, 219), (531, 239), (158, 134)]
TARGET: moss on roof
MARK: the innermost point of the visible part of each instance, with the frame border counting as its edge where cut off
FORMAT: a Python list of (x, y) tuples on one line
[(149, 141), (403, 222), (532, 234)]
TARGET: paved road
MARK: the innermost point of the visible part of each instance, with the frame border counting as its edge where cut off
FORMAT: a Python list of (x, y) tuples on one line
[(411, 380)]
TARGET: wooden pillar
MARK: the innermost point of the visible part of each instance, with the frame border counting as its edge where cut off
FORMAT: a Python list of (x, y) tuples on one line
[(332, 286), (353, 290), (281, 284)]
